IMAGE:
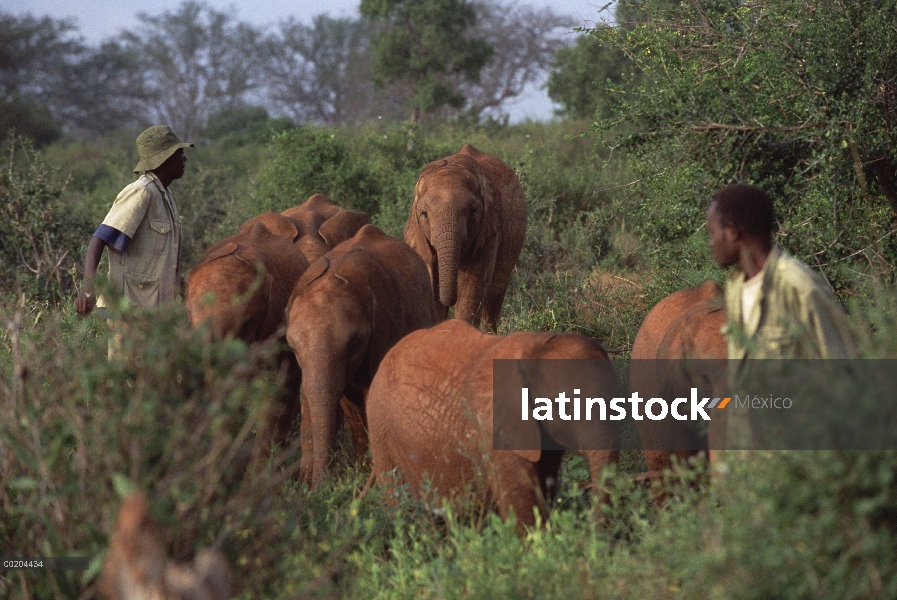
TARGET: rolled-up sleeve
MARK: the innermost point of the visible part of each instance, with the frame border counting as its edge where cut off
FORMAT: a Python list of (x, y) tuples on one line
[(128, 210), (114, 238)]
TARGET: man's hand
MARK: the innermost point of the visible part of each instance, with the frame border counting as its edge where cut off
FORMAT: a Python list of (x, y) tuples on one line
[(84, 303)]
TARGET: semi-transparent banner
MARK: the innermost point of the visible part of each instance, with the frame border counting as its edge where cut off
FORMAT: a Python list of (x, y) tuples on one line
[(695, 404)]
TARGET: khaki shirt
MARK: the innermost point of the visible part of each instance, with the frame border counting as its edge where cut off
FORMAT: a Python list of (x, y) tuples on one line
[(147, 273), (799, 317)]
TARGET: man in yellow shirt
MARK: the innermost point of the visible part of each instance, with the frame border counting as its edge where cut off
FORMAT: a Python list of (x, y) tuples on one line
[(777, 306), (142, 229)]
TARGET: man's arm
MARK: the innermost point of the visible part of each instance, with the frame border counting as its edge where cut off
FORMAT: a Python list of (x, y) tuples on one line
[(85, 301)]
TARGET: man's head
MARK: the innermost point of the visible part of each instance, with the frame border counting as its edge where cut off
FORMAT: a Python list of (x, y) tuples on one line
[(739, 215), (156, 146)]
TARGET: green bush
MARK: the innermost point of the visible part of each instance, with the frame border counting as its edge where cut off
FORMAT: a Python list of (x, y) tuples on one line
[(173, 414), (40, 237)]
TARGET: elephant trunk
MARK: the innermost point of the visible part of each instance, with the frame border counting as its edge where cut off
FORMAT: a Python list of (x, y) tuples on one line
[(448, 242), (323, 392)]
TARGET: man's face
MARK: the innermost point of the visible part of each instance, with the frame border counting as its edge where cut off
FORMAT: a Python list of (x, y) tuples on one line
[(180, 163), (175, 164), (723, 238)]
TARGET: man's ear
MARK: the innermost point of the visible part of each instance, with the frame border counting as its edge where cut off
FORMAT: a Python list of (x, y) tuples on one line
[(733, 233)]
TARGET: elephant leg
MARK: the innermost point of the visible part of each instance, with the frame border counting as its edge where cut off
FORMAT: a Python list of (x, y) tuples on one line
[(598, 461), (354, 418), (495, 298), (471, 297), (492, 310), (441, 311)]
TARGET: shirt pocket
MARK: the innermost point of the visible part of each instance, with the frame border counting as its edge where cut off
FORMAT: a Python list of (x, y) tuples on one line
[(161, 236), (142, 289), (776, 342)]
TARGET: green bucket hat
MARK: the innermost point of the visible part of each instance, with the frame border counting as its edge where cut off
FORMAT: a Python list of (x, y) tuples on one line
[(155, 146)]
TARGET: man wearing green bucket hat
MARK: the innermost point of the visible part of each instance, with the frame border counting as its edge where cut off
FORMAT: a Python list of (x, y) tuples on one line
[(142, 229)]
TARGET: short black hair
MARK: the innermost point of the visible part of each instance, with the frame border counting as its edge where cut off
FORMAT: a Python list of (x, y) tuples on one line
[(748, 208)]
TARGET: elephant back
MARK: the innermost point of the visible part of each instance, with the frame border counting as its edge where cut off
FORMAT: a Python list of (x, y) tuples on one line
[(274, 223), (322, 225)]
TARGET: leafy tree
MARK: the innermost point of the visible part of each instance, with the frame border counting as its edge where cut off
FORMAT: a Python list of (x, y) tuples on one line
[(420, 43), (524, 39), (244, 125), (322, 72), (34, 55), (578, 71), (107, 89), (798, 97), (195, 61), (50, 81)]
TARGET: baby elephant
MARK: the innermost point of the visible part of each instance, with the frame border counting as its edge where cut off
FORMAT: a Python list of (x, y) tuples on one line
[(351, 306), (430, 414)]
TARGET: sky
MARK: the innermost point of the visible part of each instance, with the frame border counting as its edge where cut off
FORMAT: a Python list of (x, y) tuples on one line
[(101, 19)]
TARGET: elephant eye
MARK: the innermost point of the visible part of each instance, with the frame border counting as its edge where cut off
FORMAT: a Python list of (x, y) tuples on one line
[(423, 214)]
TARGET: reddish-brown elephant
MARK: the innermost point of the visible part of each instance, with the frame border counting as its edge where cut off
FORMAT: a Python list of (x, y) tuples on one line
[(430, 415), (241, 286), (468, 223), (684, 325), (351, 306), (322, 225)]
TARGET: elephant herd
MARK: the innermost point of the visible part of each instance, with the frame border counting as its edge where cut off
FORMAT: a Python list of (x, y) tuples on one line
[(364, 315)]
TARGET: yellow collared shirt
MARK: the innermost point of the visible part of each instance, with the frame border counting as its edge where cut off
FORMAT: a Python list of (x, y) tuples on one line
[(147, 272)]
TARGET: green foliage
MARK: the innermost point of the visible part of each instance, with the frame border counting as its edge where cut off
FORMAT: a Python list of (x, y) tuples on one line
[(173, 414), (797, 100), (311, 160), (370, 170), (244, 125), (39, 231), (577, 75), (418, 43), (34, 56)]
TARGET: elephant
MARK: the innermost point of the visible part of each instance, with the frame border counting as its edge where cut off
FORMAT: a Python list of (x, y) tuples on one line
[(430, 415), (685, 325), (322, 225), (468, 222), (351, 306), (241, 286)]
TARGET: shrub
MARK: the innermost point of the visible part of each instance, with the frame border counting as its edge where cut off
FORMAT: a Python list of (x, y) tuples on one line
[(40, 235), (172, 414)]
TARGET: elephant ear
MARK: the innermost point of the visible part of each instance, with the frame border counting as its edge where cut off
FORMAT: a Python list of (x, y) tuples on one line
[(523, 438), (315, 270), (342, 226), (220, 252), (276, 223), (412, 233)]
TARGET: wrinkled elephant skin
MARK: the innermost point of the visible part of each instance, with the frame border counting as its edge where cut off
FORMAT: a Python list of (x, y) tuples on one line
[(684, 325), (468, 223), (321, 225), (351, 306), (241, 286), (430, 415)]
